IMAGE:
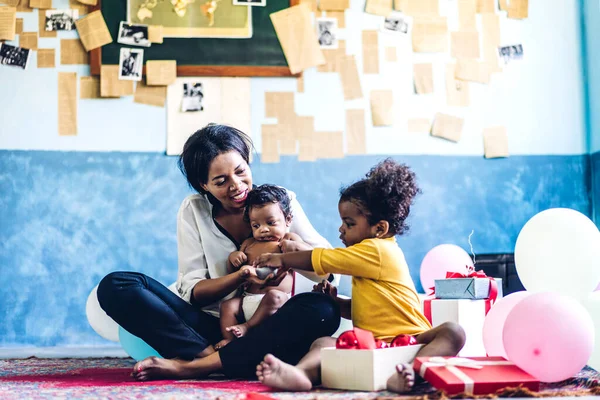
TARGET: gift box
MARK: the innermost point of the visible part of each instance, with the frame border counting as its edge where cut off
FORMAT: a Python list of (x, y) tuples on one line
[(467, 288), (469, 314), (474, 375), (366, 370)]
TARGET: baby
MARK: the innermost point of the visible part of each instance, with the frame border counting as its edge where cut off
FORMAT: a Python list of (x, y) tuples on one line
[(268, 210)]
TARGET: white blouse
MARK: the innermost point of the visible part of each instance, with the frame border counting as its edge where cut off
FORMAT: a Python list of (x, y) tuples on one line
[(203, 249)]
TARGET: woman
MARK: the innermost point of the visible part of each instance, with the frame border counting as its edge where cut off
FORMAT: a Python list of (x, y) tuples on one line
[(210, 226)]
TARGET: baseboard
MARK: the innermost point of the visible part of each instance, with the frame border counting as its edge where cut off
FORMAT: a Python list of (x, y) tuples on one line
[(63, 352)]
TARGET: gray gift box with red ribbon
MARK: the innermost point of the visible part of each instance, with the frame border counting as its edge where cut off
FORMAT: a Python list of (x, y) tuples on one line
[(466, 288)]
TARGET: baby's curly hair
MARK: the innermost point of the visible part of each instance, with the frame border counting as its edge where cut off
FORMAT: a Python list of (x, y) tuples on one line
[(386, 194), (266, 194)]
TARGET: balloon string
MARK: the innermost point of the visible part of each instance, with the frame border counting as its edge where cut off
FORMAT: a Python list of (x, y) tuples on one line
[(471, 245)]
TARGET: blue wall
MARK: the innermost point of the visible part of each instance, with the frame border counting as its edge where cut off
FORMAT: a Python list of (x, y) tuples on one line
[(68, 218)]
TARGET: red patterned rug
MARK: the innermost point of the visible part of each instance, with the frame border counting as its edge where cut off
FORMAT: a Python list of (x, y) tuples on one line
[(110, 379)]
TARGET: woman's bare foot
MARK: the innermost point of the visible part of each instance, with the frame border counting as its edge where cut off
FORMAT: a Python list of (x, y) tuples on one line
[(402, 381), (275, 373), (238, 330), (222, 344), (153, 368)]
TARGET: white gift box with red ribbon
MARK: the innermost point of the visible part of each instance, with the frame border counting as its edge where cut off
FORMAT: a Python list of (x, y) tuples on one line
[(474, 375), (368, 370)]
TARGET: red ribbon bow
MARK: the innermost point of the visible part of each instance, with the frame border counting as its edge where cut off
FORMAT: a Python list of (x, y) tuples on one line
[(362, 339)]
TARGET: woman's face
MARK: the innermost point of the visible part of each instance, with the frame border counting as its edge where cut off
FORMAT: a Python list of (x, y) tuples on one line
[(229, 180)]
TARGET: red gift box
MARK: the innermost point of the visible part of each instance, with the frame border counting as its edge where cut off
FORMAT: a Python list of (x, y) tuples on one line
[(474, 375)]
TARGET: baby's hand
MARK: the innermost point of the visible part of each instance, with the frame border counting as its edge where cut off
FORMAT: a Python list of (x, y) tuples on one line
[(238, 258), (326, 288)]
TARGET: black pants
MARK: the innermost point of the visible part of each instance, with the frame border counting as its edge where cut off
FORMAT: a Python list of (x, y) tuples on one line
[(174, 328)]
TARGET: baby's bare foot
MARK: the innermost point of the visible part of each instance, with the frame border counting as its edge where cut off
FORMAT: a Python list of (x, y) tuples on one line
[(238, 330), (403, 380), (275, 373)]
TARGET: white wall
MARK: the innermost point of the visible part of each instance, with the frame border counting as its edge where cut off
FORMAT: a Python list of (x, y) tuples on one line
[(539, 99)]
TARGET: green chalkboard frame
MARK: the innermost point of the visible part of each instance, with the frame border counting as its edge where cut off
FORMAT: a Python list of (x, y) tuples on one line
[(260, 55)]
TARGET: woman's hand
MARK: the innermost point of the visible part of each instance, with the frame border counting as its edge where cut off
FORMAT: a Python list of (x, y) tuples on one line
[(270, 260), (238, 258)]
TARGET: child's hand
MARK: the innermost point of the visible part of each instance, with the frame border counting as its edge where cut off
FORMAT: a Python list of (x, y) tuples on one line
[(325, 287), (238, 258), (270, 260)]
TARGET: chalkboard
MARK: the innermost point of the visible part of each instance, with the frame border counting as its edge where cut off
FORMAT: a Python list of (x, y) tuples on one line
[(260, 55)]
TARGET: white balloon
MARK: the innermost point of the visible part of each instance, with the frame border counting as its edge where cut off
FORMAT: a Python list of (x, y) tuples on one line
[(104, 325), (559, 250), (592, 305)]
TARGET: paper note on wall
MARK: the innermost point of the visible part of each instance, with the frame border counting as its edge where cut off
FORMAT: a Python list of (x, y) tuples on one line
[(495, 142), (23, 6), (491, 40), (307, 145), (333, 5), (67, 103), (419, 125), (457, 92), (418, 7), (269, 153), (382, 107), (289, 131), (465, 44), (334, 147), (355, 132), (349, 77), (447, 127), (40, 4), (472, 70), (28, 40), (8, 23), (150, 95), (340, 16), (423, 78), (297, 37), (72, 52), (83, 9), (155, 33), (93, 31), (370, 45), (391, 55), (88, 2), (503, 4), (111, 85), (46, 58), (89, 87), (486, 6), (430, 34), (312, 4), (42, 26), (161, 72), (379, 7), (466, 14), (19, 26), (518, 9), (280, 105), (331, 56)]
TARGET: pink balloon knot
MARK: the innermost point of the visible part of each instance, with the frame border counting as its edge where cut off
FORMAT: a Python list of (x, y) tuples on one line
[(536, 352)]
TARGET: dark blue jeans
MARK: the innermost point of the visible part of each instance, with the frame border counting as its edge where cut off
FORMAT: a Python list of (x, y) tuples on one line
[(174, 328)]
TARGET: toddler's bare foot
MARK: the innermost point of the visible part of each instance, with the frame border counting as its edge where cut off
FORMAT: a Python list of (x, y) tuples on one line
[(402, 381), (222, 344), (275, 373), (160, 368), (238, 330)]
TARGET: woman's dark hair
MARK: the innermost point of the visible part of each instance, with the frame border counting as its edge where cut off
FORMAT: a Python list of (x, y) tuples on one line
[(386, 194), (206, 144), (267, 194)]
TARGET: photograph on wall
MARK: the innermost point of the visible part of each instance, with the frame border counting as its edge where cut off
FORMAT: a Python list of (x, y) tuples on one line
[(131, 62), (193, 95), (260, 3), (13, 56), (397, 23), (133, 34), (61, 20), (193, 19), (512, 52), (327, 32)]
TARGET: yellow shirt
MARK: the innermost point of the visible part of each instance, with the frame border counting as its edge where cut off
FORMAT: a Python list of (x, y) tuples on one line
[(384, 298)]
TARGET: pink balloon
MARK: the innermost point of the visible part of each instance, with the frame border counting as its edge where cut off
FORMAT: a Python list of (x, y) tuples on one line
[(494, 323), (441, 259), (549, 335)]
